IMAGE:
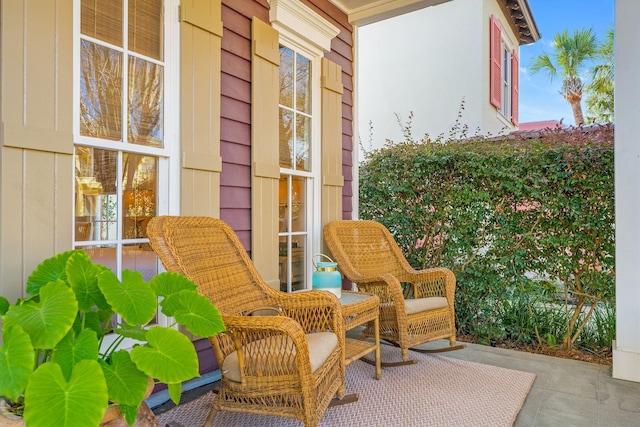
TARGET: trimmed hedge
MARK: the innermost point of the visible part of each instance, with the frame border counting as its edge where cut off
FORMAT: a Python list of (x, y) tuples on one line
[(522, 223)]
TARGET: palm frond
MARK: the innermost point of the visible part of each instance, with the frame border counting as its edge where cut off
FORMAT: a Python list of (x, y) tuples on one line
[(543, 62)]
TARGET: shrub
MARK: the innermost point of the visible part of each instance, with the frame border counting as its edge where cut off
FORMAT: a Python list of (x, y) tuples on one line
[(531, 214)]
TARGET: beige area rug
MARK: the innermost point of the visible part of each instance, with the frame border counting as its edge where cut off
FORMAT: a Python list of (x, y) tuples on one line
[(437, 391)]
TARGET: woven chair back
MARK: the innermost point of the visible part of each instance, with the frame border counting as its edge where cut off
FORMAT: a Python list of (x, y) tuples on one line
[(369, 248), (207, 251)]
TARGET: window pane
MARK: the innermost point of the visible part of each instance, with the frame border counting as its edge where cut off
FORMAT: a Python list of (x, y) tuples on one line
[(139, 178), (145, 28), (505, 64), (298, 270), (140, 258), (100, 92), (103, 255), (146, 103), (298, 205), (96, 203), (286, 77), (303, 142), (283, 203), (303, 84), (102, 19), (291, 263), (286, 138)]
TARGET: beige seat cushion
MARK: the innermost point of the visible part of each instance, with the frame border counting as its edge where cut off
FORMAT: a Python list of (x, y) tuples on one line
[(321, 344), (417, 305)]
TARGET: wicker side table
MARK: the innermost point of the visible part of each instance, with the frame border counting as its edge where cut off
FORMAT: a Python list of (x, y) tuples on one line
[(358, 309)]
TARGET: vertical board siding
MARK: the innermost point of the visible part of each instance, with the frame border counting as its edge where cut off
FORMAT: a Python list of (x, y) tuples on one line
[(332, 177), (265, 166), (200, 41), (36, 137)]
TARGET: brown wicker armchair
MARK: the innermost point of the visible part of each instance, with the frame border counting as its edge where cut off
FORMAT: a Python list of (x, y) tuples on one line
[(290, 364), (415, 306)]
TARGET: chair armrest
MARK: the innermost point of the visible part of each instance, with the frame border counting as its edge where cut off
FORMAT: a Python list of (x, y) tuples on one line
[(276, 343), (432, 282), (314, 310)]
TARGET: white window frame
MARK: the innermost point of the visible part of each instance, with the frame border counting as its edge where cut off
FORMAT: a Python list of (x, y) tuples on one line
[(168, 197), (304, 30), (506, 53), (313, 191)]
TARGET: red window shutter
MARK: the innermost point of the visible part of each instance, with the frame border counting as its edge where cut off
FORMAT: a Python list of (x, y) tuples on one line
[(495, 72), (515, 72)]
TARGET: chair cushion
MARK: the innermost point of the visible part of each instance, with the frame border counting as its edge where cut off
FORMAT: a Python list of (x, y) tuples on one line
[(417, 305), (321, 344)]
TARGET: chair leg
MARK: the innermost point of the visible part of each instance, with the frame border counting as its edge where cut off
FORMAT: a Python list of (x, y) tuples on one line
[(349, 398), (209, 421), (405, 354), (340, 392)]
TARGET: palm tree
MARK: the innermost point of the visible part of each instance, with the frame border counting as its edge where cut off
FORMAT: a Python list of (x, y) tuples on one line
[(570, 57), (600, 90)]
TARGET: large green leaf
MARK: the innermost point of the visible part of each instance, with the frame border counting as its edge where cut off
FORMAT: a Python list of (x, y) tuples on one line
[(196, 313), (126, 383), (16, 361), (175, 392), (169, 356), (48, 320), (138, 333), (82, 275), (49, 270), (169, 283), (4, 305), (132, 298), (130, 413), (70, 351), (52, 401)]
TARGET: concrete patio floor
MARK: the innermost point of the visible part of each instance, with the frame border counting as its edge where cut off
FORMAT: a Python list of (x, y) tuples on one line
[(566, 393)]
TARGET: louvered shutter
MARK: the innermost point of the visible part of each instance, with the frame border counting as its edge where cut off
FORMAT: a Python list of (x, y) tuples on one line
[(514, 87), (495, 75)]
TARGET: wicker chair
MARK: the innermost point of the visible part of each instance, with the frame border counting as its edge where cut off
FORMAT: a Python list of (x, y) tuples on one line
[(415, 306), (290, 364)]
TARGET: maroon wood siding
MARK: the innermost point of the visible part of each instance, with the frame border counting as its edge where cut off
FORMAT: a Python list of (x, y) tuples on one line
[(235, 126)]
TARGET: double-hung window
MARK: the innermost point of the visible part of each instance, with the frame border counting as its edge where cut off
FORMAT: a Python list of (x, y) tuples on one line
[(125, 129), (298, 122), (505, 107)]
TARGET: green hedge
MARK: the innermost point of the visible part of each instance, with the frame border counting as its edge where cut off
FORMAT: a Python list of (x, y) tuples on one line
[(525, 224)]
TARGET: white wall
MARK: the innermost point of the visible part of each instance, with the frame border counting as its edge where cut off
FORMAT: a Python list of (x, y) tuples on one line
[(426, 62), (626, 351)]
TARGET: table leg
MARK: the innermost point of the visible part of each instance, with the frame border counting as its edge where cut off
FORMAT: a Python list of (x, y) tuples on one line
[(377, 352)]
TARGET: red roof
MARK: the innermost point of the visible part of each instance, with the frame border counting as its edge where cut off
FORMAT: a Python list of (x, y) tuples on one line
[(544, 124)]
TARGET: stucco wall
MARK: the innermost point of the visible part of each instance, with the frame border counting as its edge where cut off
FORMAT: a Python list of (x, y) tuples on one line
[(426, 62)]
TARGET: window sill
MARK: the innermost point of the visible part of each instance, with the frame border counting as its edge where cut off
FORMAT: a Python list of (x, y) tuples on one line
[(505, 121)]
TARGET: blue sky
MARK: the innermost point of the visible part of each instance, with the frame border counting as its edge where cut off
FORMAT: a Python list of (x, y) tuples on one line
[(539, 99)]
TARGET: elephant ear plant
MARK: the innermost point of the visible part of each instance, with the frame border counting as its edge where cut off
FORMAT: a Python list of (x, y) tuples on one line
[(62, 360)]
